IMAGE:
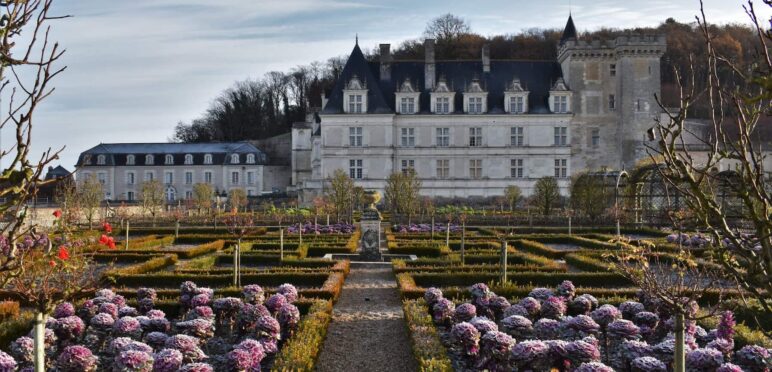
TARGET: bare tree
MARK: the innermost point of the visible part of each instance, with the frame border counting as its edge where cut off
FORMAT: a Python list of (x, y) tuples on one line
[(512, 194), (202, 196), (90, 194), (735, 114), (237, 199), (446, 27), (546, 194), (152, 194), (340, 192)]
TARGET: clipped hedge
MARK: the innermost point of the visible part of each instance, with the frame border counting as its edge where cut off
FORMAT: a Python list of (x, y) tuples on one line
[(428, 350), (301, 351), (535, 279), (142, 269), (173, 280)]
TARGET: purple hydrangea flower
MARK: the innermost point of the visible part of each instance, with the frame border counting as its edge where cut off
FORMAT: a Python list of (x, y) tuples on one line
[(248, 316), (23, 349), (647, 364), (118, 301), (515, 310), (633, 349), (465, 312), (579, 352), (630, 308), (729, 367), (275, 302), (703, 360), (204, 312), (156, 325), (753, 358), (7, 363), (517, 326), (664, 350), (546, 329), (64, 310), (196, 367), (532, 354), (566, 289), (498, 305), (145, 305), (532, 305), (466, 338), (721, 344), (88, 309), (580, 306), (553, 308), (540, 294), (483, 324), (594, 367), (109, 308), (127, 311), (200, 300), (289, 317), (623, 329), (239, 360), (443, 311), (558, 352), (725, 327), (127, 327), (144, 292), (480, 290), (268, 327), (495, 347), (69, 328), (167, 360), (106, 293), (200, 328), (156, 339), (432, 295), (288, 291), (605, 315), (253, 294), (152, 314), (133, 360), (255, 351), (76, 358), (102, 322)]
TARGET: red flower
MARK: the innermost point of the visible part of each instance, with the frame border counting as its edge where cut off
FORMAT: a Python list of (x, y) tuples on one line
[(57, 213), (111, 243), (106, 226), (103, 239), (63, 253), (52, 263)]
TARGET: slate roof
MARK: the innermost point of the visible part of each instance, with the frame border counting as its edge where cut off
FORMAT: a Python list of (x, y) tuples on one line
[(58, 172), (116, 152), (535, 76), (569, 32)]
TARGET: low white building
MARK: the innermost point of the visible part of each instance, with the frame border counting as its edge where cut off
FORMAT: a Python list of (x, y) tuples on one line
[(122, 167)]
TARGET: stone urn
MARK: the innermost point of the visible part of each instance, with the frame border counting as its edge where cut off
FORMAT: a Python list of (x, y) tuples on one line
[(371, 197)]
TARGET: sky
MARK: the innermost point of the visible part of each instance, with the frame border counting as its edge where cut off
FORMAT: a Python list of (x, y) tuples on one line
[(136, 68)]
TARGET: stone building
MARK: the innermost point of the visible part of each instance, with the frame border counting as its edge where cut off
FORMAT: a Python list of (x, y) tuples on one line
[(473, 127), (122, 167)]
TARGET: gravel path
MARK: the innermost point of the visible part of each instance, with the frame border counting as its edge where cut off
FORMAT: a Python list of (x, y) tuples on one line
[(367, 335)]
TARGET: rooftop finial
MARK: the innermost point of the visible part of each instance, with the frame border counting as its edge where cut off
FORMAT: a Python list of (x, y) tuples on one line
[(356, 39), (569, 8)]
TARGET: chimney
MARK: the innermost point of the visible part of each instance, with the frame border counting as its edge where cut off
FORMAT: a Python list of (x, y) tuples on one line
[(486, 58), (385, 62), (324, 100), (429, 71)]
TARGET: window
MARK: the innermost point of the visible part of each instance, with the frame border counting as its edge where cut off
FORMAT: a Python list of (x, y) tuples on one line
[(612, 102), (355, 103), (443, 168), (169, 160), (516, 136), (561, 104), (149, 159), (130, 195), (475, 168), (516, 105), (561, 138), (208, 159), (250, 178), (207, 177), (407, 164), (475, 137), (102, 177), (612, 69), (188, 178), (475, 105), (561, 168), (129, 159), (355, 136), (235, 178), (86, 159), (442, 105), (188, 194), (100, 160), (250, 192), (355, 169), (407, 105), (188, 159), (168, 178), (250, 158), (443, 137), (234, 158), (516, 168), (149, 176), (130, 178), (407, 138), (641, 105), (595, 137)]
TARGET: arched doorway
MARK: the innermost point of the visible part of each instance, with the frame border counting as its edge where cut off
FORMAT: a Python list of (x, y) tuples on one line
[(170, 194)]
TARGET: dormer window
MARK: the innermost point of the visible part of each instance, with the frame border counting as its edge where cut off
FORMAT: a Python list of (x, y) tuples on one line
[(407, 98), (100, 160), (235, 159), (188, 159), (560, 98), (208, 159), (169, 159), (149, 160), (129, 159), (442, 98), (355, 96), (87, 159), (516, 98), (475, 98), (250, 158)]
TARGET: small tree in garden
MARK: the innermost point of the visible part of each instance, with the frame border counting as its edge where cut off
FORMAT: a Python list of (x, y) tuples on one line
[(124, 213), (402, 193), (546, 194), (237, 199), (340, 192), (512, 194), (203, 193), (735, 115), (239, 225), (279, 214), (153, 198), (431, 211), (90, 195), (67, 198), (588, 196)]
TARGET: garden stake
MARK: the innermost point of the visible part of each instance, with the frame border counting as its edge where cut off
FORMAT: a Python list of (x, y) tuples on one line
[(281, 243), (679, 361), (177, 229), (503, 262), (127, 235), (432, 228), (447, 236), (40, 335), (463, 238), (569, 225)]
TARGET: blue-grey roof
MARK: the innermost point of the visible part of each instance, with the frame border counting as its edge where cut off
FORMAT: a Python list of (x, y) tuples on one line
[(116, 153), (536, 76), (569, 32)]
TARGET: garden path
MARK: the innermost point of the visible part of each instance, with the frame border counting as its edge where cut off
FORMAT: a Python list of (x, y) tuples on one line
[(368, 331)]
